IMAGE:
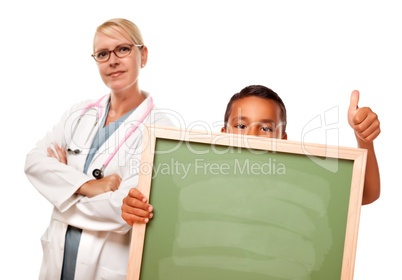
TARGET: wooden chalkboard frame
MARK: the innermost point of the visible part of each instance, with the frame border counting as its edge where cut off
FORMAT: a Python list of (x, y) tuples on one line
[(358, 156)]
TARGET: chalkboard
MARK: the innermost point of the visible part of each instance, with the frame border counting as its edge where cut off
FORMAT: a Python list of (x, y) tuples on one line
[(230, 207)]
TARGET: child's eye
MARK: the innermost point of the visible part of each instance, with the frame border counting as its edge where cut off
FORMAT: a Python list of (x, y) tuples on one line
[(240, 126), (266, 129)]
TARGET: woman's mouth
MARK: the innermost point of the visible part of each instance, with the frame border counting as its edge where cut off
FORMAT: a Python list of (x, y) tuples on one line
[(116, 74)]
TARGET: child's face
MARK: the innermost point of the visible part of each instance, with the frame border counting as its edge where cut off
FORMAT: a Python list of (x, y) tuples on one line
[(255, 116)]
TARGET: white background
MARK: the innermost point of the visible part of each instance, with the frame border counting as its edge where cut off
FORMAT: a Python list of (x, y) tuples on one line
[(313, 53)]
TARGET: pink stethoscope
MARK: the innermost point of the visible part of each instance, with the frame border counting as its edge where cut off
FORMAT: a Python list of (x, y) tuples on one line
[(98, 173)]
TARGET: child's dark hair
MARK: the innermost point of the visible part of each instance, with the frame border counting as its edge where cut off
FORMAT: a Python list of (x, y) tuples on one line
[(258, 91)]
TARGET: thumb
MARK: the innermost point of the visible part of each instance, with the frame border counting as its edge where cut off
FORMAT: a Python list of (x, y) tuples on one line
[(354, 100)]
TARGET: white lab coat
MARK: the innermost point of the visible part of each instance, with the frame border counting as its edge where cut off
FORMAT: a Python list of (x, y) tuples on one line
[(104, 246)]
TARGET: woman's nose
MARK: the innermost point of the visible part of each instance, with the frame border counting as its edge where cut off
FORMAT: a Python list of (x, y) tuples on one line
[(113, 60)]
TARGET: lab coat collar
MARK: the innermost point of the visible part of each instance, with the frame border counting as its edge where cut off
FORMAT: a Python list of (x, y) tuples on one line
[(114, 139)]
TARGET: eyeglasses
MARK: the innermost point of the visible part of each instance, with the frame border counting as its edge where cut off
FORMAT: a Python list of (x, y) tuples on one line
[(119, 51)]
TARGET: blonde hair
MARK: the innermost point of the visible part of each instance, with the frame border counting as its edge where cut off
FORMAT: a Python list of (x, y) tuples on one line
[(124, 27)]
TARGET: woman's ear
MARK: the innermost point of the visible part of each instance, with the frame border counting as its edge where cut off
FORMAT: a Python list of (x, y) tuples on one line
[(144, 56), (285, 136), (223, 130)]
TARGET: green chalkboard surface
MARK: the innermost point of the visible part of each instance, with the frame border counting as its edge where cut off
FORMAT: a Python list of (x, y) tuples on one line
[(223, 212)]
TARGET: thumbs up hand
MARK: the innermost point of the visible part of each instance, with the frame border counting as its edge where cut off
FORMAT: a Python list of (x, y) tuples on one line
[(364, 121)]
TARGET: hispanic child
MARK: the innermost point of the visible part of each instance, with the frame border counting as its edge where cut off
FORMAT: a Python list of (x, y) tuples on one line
[(259, 111)]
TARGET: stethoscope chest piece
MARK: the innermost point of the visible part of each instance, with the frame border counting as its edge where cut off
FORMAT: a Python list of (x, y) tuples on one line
[(98, 173)]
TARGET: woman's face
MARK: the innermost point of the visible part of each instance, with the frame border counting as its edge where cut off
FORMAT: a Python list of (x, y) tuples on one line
[(119, 74)]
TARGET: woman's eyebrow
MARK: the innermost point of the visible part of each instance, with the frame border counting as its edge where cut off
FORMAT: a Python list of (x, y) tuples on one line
[(101, 49)]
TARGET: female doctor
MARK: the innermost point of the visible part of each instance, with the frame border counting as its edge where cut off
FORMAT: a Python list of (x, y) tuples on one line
[(87, 238)]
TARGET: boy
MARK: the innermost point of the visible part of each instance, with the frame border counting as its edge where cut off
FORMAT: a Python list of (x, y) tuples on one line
[(257, 110)]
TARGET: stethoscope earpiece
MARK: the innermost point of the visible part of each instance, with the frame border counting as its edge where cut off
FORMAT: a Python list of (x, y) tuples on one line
[(76, 151)]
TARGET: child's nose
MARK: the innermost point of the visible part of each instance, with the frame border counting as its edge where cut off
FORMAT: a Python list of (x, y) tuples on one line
[(252, 131)]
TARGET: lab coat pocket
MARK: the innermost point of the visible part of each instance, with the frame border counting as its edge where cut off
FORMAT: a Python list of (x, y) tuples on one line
[(108, 274), (46, 245), (53, 250), (50, 267)]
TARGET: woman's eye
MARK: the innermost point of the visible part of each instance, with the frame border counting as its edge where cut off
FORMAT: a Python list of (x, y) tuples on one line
[(240, 126), (102, 54), (124, 49)]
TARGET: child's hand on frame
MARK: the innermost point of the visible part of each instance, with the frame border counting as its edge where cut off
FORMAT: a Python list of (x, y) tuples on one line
[(135, 208)]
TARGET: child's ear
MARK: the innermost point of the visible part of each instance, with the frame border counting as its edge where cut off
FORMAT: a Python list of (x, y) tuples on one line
[(223, 130), (285, 136)]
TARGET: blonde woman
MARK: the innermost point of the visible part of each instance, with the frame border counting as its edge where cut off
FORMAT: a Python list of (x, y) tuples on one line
[(87, 237)]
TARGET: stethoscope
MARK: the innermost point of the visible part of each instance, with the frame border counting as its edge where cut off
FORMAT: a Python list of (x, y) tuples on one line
[(98, 173)]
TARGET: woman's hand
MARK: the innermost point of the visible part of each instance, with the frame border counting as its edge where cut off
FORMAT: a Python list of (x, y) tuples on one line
[(135, 208), (61, 154), (95, 187)]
